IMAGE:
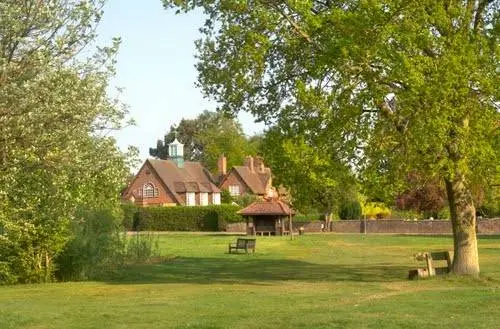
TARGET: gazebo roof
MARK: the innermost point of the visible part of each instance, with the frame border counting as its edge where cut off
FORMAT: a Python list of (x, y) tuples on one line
[(267, 208)]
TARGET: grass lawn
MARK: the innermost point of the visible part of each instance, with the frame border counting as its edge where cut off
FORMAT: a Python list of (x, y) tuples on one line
[(315, 281)]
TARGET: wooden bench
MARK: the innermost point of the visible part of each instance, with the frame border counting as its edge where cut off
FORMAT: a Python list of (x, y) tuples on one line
[(243, 244), (430, 269)]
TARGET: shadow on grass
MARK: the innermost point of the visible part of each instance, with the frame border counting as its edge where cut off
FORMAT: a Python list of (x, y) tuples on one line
[(252, 271)]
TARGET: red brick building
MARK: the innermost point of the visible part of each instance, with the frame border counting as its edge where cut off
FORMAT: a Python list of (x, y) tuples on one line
[(172, 182), (251, 178)]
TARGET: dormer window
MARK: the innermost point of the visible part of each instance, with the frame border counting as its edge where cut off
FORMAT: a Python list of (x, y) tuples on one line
[(149, 191)]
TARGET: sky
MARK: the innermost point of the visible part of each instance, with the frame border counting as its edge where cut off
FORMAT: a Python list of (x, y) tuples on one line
[(155, 68)]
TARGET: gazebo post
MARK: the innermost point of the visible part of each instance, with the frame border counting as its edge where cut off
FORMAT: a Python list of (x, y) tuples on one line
[(291, 227)]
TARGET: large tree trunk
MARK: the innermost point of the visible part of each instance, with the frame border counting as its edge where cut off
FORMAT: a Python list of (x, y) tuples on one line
[(463, 219)]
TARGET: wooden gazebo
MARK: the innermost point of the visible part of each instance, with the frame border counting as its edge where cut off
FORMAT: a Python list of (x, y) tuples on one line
[(267, 217)]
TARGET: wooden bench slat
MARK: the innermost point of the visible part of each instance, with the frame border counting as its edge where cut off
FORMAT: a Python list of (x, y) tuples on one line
[(430, 268), (445, 255), (243, 244)]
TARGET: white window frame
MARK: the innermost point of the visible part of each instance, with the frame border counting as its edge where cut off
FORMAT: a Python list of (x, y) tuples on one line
[(149, 191), (215, 198), (203, 199), (172, 150), (234, 190), (190, 199)]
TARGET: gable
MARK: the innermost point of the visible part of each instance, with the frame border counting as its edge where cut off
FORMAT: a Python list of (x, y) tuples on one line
[(147, 175)]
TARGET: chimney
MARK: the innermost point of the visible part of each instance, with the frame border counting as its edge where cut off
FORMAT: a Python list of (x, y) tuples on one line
[(259, 164), (222, 165), (249, 163)]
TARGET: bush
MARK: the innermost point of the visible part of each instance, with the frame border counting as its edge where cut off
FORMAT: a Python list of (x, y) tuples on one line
[(142, 247), (406, 214), (182, 218), (376, 210), (245, 200), (226, 197), (350, 210), (309, 217), (96, 247), (444, 213)]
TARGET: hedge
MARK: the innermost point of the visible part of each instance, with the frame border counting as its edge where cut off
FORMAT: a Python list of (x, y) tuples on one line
[(181, 218), (129, 212)]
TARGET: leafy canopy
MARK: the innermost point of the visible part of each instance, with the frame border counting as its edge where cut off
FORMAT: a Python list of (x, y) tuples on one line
[(55, 117), (387, 86)]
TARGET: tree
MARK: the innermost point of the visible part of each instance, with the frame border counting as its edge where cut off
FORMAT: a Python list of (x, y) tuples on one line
[(390, 86), (427, 197), (316, 180), (206, 138), (55, 115)]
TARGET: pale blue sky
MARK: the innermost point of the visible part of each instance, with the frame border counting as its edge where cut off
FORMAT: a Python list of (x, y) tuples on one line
[(156, 69)]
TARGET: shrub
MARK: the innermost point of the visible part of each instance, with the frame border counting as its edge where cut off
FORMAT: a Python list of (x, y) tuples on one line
[(182, 218), (444, 213), (405, 214), (142, 247), (245, 200), (350, 210), (226, 197), (96, 247), (309, 217), (376, 210)]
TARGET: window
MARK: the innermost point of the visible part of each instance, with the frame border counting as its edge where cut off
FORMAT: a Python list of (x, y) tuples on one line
[(190, 200), (173, 151), (203, 199), (234, 190), (216, 198), (149, 191)]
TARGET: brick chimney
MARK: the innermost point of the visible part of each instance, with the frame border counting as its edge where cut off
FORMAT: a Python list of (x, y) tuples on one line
[(249, 163), (222, 165), (259, 164)]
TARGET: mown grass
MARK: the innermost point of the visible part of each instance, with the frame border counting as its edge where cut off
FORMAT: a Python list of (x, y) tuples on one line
[(315, 281)]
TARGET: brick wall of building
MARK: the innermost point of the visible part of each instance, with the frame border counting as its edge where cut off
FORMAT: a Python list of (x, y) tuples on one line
[(148, 175), (234, 179)]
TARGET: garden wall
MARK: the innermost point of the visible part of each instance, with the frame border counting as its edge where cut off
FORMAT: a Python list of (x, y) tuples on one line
[(484, 226)]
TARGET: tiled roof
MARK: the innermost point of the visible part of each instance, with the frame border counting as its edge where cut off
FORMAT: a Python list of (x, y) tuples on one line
[(274, 207), (191, 178), (256, 182)]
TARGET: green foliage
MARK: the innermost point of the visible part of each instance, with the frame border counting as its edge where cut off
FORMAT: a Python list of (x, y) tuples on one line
[(376, 210), (313, 178), (406, 214), (99, 247), (55, 116), (246, 199), (490, 207), (96, 246), (444, 214), (206, 138), (141, 248), (308, 217), (206, 218), (226, 197), (129, 215), (350, 210)]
